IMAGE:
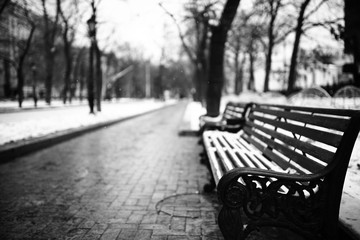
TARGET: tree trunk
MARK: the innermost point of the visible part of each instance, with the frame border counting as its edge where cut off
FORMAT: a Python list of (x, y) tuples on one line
[(251, 82), (268, 61), (19, 69), (67, 77), (216, 71), (91, 79), (7, 76), (49, 38), (68, 65), (35, 97), (236, 68), (3, 5), (49, 75), (81, 80), (198, 84), (20, 85), (216, 62), (298, 33), (240, 80), (356, 54), (98, 77), (274, 8), (201, 56)]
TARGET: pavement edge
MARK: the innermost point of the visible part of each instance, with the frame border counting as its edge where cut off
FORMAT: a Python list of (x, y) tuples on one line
[(9, 152)]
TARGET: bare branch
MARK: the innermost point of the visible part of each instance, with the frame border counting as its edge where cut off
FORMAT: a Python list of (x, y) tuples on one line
[(182, 38), (3, 5), (324, 24), (315, 9)]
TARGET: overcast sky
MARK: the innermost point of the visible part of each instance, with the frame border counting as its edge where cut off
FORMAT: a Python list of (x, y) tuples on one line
[(147, 28), (143, 24)]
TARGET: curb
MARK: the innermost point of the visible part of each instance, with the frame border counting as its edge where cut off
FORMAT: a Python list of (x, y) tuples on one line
[(9, 152)]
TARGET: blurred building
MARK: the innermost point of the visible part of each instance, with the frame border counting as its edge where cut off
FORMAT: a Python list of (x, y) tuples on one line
[(15, 29)]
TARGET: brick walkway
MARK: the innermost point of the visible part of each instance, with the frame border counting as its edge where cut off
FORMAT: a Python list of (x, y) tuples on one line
[(106, 184)]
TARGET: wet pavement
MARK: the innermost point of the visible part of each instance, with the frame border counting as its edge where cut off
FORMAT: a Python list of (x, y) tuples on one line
[(107, 184)]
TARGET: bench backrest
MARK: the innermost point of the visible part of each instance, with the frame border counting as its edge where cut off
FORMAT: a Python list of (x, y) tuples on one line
[(301, 139), (234, 110)]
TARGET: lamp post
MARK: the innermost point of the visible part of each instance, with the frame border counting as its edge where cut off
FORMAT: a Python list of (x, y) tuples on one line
[(33, 68), (92, 31)]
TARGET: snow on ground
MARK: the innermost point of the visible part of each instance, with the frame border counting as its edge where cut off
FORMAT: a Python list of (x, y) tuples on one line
[(21, 125)]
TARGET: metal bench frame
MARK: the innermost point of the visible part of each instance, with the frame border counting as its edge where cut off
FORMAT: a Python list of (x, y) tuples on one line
[(293, 140)]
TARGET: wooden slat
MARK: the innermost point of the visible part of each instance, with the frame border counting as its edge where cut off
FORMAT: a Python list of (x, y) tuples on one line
[(294, 156), (213, 159), (251, 153), (233, 111), (313, 150), (259, 155), (321, 136), (332, 111), (246, 161), (226, 161), (230, 151), (269, 154), (280, 161), (339, 124), (214, 165)]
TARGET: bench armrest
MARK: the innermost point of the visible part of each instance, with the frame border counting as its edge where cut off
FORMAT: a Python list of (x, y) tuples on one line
[(205, 118), (239, 185)]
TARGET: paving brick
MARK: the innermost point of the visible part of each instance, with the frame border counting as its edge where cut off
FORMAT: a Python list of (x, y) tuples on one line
[(127, 234), (149, 218), (110, 235), (178, 223), (87, 224), (183, 238), (98, 228), (91, 236), (135, 218), (122, 226), (159, 237), (76, 233), (192, 226), (143, 234)]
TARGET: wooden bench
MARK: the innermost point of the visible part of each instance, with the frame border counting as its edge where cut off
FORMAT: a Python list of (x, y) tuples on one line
[(285, 168), (230, 120)]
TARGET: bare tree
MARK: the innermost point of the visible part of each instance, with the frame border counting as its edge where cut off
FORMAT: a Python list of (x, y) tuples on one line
[(274, 6), (304, 23), (255, 41), (199, 16), (3, 5), (21, 46), (236, 43), (216, 57), (68, 34), (245, 42), (351, 36), (79, 71), (50, 33), (95, 52), (298, 33)]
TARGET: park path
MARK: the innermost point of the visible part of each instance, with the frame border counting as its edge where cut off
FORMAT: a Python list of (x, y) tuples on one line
[(106, 184)]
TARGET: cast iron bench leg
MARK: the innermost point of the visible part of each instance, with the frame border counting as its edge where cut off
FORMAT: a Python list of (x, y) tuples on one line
[(230, 223)]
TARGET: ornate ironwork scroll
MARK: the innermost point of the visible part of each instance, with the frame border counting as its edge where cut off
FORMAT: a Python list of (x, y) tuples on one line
[(268, 201)]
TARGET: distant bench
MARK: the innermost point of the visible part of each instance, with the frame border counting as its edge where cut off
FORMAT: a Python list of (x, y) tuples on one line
[(285, 168), (230, 120)]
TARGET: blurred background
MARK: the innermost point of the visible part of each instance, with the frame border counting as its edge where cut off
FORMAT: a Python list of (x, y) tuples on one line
[(95, 51)]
